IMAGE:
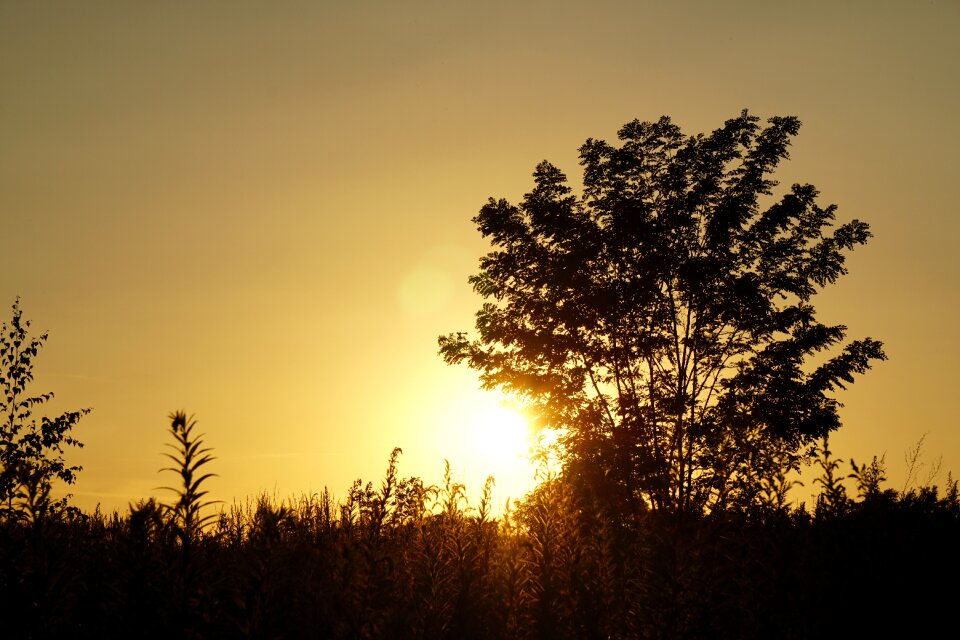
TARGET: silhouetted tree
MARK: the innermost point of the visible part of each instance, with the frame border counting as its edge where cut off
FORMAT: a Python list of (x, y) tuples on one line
[(663, 320), (31, 449)]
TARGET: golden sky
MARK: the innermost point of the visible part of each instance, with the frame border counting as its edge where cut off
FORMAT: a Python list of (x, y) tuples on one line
[(260, 212)]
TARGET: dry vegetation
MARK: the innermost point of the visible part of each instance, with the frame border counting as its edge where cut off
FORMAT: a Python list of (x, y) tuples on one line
[(410, 560)]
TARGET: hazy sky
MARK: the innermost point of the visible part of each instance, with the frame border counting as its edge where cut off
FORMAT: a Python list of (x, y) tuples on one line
[(260, 212)]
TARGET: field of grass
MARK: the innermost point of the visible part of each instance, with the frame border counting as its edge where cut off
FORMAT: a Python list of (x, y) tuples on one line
[(402, 559)]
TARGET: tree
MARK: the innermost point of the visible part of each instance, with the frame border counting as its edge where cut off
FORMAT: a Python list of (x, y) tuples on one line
[(31, 453), (663, 320)]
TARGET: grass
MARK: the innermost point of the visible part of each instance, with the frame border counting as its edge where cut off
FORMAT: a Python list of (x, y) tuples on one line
[(401, 558)]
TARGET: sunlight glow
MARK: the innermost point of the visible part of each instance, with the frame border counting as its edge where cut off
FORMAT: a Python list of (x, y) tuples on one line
[(491, 439), (499, 435)]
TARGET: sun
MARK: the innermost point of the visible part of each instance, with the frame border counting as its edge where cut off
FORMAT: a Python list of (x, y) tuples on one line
[(500, 435), (482, 436)]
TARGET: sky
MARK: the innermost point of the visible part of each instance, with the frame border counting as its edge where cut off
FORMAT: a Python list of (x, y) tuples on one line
[(260, 213)]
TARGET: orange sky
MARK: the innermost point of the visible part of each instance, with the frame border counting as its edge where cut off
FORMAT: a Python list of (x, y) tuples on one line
[(260, 212)]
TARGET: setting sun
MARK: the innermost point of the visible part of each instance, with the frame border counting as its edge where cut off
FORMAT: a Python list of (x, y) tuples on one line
[(499, 436), (482, 435)]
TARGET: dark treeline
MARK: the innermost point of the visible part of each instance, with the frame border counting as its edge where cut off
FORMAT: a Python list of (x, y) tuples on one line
[(407, 560)]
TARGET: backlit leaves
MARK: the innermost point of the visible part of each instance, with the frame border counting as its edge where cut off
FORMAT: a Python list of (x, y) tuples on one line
[(668, 304)]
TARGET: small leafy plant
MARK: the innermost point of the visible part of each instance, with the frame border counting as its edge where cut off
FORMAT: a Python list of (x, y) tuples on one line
[(189, 457)]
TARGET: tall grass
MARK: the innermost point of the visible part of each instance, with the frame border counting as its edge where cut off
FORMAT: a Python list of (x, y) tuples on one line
[(401, 558)]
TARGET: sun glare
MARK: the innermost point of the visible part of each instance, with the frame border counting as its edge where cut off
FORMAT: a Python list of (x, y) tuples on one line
[(500, 435), (491, 439)]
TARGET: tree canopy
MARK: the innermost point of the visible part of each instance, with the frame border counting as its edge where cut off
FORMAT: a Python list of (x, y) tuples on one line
[(663, 320)]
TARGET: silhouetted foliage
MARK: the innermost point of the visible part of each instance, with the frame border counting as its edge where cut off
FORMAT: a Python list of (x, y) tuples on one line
[(31, 448), (664, 319), (433, 567), (188, 457), (184, 521)]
